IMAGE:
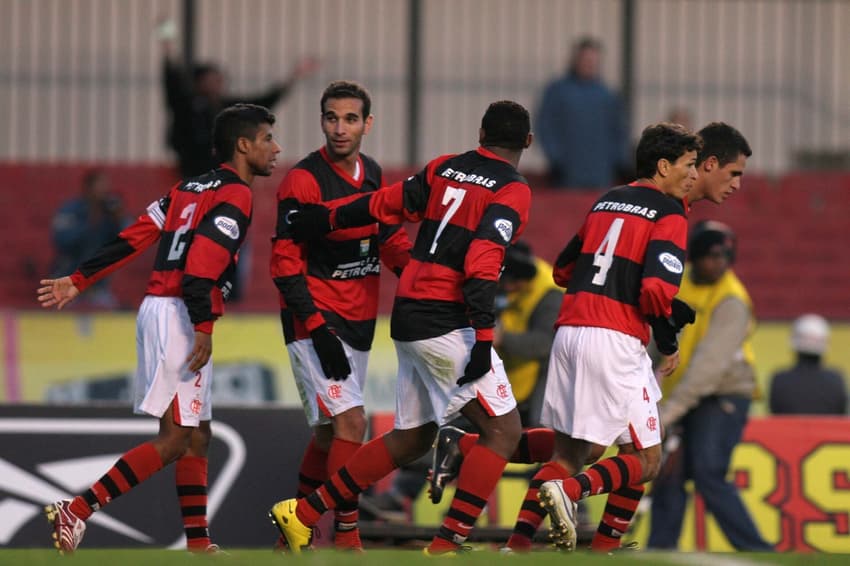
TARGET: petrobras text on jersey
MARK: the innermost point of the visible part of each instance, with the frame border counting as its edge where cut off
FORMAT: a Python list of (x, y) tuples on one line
[(357, 269), (462, 177), (612, 206)]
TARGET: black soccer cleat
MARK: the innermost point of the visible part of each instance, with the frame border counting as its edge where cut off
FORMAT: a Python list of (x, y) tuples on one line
[(446, 460)]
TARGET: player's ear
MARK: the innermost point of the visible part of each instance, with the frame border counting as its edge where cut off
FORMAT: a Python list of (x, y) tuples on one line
[(480, 136), (242, 145), (529, 139), (710, 163)]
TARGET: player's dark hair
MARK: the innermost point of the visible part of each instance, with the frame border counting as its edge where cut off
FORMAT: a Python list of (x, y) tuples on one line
[(237, 121), (202, 69), (724, 142), (506, 124), (663, 141), (347, 89)]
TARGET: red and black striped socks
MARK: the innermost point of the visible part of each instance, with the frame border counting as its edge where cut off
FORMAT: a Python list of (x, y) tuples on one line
[(481, 470), (346, 514), (619, 511), (313, 471), (191, 479), (131, 469)]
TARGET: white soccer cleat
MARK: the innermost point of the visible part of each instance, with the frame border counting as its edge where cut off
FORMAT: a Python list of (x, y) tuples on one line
[(562, 514)]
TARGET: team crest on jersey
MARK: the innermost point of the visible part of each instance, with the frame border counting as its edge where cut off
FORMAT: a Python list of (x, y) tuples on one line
[(671, 263), (227, 226), (505, 228)]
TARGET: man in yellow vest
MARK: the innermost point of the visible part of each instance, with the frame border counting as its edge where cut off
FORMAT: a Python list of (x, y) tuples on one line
[(525, 328), (709, 394)]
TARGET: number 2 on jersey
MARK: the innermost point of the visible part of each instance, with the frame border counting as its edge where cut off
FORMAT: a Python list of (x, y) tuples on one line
[(177, 247), (604, 256), (453, 197)]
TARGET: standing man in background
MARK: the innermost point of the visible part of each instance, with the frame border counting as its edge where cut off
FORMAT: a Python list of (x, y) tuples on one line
[(809, 388), (200, 225), (582, 125), (709, 395), (329, 292)]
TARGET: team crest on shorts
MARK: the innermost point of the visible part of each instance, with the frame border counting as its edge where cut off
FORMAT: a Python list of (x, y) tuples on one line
[(502, 390), (652, 423), (196, 406), (335, 391)]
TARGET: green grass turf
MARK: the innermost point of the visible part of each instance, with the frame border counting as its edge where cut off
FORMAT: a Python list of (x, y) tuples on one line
[(398, 557)]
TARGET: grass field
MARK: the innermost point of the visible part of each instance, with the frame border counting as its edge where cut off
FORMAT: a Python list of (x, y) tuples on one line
[(375, 557)]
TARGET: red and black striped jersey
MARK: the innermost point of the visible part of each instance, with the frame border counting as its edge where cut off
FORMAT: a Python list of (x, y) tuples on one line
[(471, 206), (200, 225), (625, 264), (333, 279)]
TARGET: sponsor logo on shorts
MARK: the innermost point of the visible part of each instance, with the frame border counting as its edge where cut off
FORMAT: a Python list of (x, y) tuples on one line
[(502, 390), (652, 424), (227, 226), (335, 391), (505, 228), (671, 263)]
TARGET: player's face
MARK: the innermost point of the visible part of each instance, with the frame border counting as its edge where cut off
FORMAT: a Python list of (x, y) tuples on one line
[(344, 126), (262, 153), (681, 175), (723, 182)]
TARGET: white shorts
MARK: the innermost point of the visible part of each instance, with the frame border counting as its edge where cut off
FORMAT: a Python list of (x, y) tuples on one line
[(321, 397), (164, 339), (427, 371), (601, 388)]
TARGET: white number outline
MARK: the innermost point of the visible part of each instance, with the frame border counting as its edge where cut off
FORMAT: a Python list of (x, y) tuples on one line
[(604, 256), (178, 247), (453, 197)]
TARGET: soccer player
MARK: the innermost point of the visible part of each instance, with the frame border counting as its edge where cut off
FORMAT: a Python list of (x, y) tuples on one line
[(471, 206), (329, 293), (200, 225), (721, 162)]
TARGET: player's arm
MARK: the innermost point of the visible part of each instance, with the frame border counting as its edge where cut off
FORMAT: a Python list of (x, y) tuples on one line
[(662, 274), (298, 188), (501, 224), (214, 246), (394, 247), (286, 267), (711, 360), (129, 243), (565, 263)]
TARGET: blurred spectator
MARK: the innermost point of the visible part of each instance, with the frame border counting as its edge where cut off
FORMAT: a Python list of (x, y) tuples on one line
[(681, 115), (808, 387), (529, 302), (582, 126), (708, 397), (82, 225), (194, 97)]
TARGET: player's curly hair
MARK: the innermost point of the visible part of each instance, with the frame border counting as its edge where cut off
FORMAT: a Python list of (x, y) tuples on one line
[(347, 89), (237, 121), (664, 140), (506, 124)]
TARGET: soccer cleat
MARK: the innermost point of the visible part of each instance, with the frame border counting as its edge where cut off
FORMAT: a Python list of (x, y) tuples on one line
[(562, 514), (446, 461), (68, 529), (280, 544), (298, 535), (450, 552)]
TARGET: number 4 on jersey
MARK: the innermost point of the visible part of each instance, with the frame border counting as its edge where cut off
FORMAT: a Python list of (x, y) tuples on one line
[(604, 256)]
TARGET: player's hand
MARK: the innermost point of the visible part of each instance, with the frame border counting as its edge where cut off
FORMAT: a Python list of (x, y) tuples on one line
[(57, 292), (479, 362), (305, 67), (682, 315), (331, 353), (309, 222), (201, 351), (668, 364)]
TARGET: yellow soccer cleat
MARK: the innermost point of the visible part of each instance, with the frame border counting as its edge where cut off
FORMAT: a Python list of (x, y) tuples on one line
[(298, 535)]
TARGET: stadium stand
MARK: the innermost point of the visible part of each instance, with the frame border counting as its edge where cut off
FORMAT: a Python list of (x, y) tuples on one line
[(792, 250)]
